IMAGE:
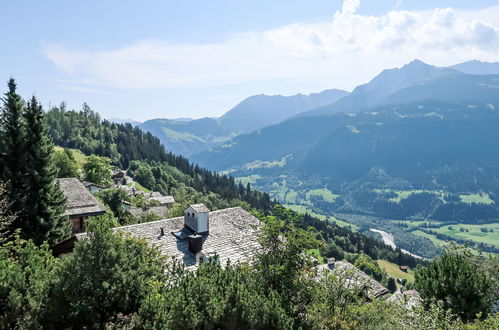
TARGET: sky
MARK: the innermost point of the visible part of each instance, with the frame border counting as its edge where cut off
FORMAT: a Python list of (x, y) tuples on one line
[(196, 58)]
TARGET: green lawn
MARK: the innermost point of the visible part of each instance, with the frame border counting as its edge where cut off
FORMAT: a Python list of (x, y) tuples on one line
[(481, 198), (291, 196), (474, 233), (394, 271), (251, 179), (138, 186), (431, 237), (403, 194), (305, 209), (180, 136), (325, 193)]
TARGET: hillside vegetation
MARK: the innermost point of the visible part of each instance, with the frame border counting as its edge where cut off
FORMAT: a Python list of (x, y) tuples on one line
[(423, 150)]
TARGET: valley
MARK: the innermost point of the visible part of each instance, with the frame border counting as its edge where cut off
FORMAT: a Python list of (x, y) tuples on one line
[(410, 160)]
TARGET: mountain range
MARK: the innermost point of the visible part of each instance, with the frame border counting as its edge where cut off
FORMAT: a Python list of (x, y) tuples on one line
[(417, 128), (191, 136), (187, 137)]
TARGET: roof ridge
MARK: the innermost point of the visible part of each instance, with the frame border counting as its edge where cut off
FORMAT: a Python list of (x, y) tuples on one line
[(176, 218)]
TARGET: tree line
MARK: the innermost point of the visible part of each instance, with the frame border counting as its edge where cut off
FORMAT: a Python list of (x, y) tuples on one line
[(28, 171), (123, 144)]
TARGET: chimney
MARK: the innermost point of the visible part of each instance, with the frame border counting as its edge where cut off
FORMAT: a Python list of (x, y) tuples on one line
[(162, 231), (196, 218), (330, 262), (195, 243)]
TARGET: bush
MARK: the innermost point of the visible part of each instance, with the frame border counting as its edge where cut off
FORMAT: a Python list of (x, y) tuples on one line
[(456, 280), (107, 275)]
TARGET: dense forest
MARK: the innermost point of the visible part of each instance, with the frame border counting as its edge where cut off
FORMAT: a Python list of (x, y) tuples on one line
[(123, 144)]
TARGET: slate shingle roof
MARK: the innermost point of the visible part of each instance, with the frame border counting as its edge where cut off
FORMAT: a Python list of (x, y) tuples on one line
[(232, 235), (164, 199), (357, 277), (409, 299), (200, 208), (80, 202)]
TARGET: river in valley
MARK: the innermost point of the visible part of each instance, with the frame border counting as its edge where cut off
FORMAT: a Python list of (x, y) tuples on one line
[(388, 239)]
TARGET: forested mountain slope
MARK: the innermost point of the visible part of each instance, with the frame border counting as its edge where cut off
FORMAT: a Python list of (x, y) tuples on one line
[(175, 174), (428, 153), (188, 137)]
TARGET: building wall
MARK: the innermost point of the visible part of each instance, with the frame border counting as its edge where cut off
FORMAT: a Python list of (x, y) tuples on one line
[(196, 221), (78, 225)]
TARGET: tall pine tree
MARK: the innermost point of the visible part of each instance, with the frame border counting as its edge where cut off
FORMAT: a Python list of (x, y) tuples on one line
[(13, 149), (44, 219)]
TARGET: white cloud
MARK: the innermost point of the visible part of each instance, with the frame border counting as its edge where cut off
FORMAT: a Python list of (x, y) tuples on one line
[(345, 51)]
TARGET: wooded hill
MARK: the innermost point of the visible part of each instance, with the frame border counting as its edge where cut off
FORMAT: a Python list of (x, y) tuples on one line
[(171, 174)]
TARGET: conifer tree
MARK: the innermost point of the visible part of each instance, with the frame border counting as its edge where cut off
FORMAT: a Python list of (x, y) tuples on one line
[(44, 219), (12, 148)]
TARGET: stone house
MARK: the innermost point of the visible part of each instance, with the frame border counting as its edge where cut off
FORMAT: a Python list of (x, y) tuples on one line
[(81, 204), (228, 234)]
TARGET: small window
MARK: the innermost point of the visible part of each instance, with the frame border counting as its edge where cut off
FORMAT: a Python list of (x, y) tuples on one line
[(188, 214)]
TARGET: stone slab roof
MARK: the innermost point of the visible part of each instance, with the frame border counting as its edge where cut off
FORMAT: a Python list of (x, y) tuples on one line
[(358, 278), (200, 208), (232, 236), (409, 299), (80, 202), (164, 199)]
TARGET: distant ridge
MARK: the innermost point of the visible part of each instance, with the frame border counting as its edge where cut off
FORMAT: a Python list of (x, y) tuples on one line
[(386, 83), (124, 121), (259, 111), (187, 136), (477, 67)]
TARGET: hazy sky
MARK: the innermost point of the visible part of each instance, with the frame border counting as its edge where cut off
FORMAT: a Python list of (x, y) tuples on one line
[(194, 58)]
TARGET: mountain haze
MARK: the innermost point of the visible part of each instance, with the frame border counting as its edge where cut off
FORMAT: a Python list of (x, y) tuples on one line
[(413, 156), (477, 67), (386, 83), (259, 111), (187, 137)]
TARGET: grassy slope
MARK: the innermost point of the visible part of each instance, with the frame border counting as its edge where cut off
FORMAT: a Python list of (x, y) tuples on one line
[(474, 233), (394, 271), (77, 154), (325, 193), (481, 198), (304, 209)]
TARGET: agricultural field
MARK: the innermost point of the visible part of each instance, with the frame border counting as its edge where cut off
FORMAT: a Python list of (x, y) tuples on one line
[(325, 193), (403, 194), (477, 198), (394, 271), (481, 198), (486, 233), (431, 237), (305, 209), (251, 179)]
